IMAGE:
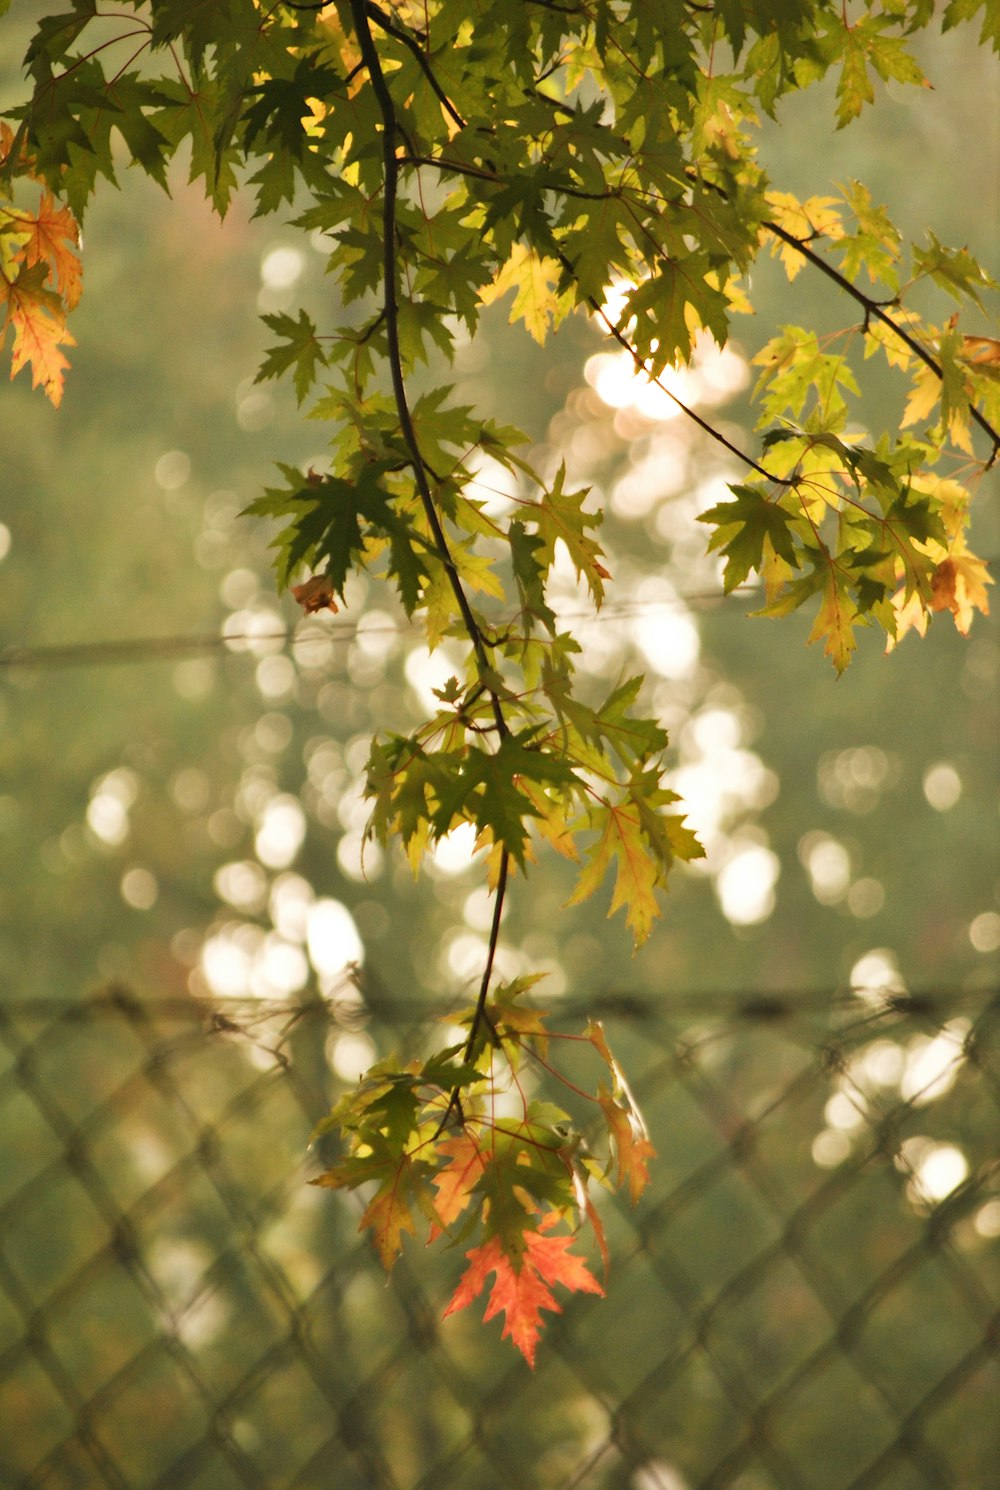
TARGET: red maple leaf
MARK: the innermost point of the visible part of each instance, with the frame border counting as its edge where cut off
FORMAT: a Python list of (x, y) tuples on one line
[(522, 1292)]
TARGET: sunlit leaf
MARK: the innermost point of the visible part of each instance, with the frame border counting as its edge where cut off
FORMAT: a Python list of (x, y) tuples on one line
[(521, 1293)]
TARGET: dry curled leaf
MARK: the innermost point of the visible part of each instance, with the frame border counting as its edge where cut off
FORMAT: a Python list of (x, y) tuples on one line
[(981, 350), (315, 593)]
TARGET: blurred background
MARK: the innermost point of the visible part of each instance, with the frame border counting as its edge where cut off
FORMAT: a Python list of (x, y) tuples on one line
[(195, 960)]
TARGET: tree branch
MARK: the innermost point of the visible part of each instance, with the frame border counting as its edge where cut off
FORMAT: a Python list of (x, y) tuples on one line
[(391, 166), (385, 21)]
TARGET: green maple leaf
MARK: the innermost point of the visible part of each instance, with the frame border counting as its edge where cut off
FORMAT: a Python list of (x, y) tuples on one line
[(663, 329), (560, 514), (874, 245), (282, 104), (666, 833), (484, 790), (198, 114), (741, 527), (529, 574), (954, 270), (300, 350), (593, 245), (612, 723), (964, 10)]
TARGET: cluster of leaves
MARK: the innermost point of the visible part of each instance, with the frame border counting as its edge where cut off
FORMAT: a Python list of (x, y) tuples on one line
[(876, 530), (456, 1143), (40, 273), (453, 155)]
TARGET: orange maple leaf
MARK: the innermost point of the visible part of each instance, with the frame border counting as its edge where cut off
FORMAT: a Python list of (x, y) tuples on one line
[(632, 1146), (959, 585), (456, 1182), (389, 1216), (39, 323), (54, 237), (523, 1292), (981, 350)]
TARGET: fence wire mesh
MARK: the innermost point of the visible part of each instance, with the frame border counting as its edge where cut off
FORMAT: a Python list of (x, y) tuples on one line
[(808, 1298)]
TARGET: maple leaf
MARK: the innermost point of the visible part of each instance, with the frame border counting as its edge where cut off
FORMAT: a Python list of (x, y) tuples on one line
[(816, 218), (834, 624), (455, 1183), (595, 1034), (631, 1144), (524, 1025), (536, 303), (39, 323), (982, 351), (53, 237), (400, 1177), (523, 1292), (560, 514), (389, 1216), (909, 614), (299, 350), (485, 787), (741, 528), (638, 871), (550, 820), (959, 585)]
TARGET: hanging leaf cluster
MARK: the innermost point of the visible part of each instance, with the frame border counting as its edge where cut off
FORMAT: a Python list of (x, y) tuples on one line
[(539, 155)]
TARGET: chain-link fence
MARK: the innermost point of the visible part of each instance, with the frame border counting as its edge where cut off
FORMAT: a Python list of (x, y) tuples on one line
[(808, 1298)]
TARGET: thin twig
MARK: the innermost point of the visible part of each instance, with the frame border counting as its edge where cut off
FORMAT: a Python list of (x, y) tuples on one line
[(391, 167), (877, 309), (385, 21)]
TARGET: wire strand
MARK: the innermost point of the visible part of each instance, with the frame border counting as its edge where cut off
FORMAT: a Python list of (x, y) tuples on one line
[(168, 648)]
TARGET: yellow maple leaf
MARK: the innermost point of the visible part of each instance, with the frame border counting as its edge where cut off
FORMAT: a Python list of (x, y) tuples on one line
[(551, 820), (774, 571), (834, 624), (952, 500), (911, 615), (536, 302), (879, 336), (923, 397), (817, 217), (637, 871), (922, 401)]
